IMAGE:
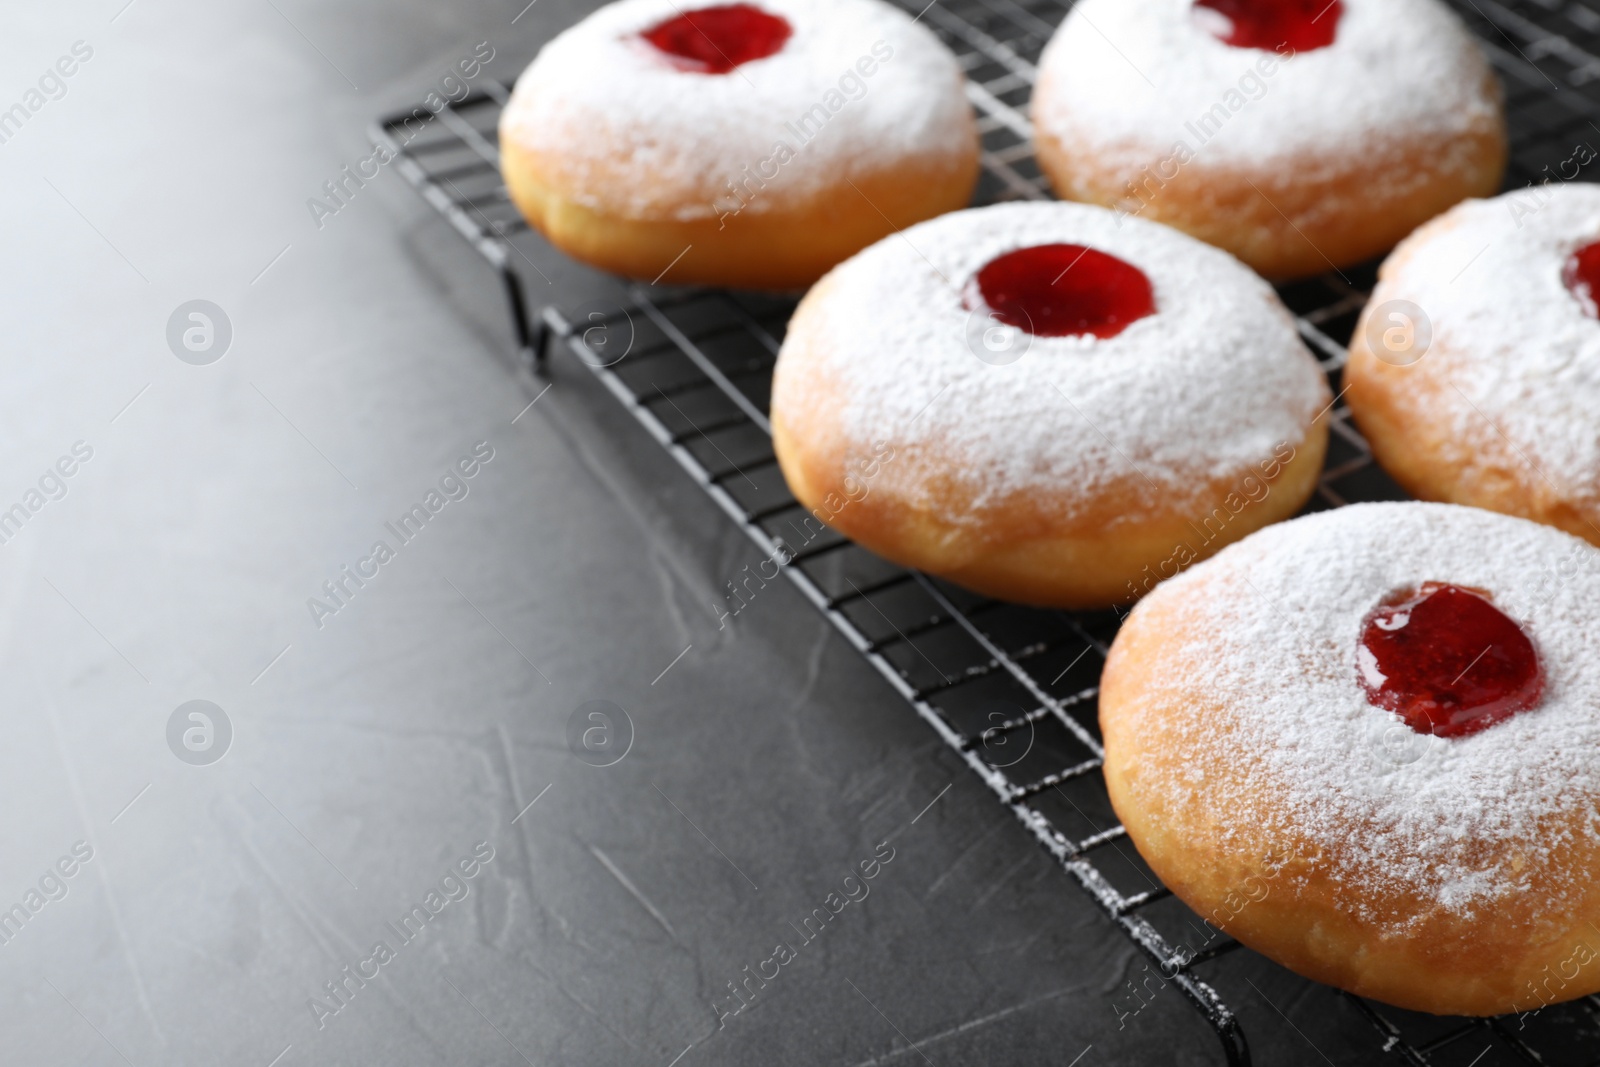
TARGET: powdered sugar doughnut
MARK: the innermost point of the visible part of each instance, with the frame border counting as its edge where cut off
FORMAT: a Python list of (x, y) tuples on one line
[(1439, 856), (761, 144), (1327, 133), (1173, 410), (1475, 371)]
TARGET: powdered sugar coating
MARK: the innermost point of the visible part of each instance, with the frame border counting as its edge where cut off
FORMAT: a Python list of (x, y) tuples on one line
[(1133, 79), (640, 137), (1458, 824), (1204, 388), (1520, 356)]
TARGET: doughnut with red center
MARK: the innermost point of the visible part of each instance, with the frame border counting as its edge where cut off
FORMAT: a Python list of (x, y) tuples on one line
[(1363, 743), (1046, 403), (1298, 134), (744, 144), (1475, 369)]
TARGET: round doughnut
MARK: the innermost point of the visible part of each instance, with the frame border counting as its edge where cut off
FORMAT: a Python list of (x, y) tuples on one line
[(1330, 131), (742, 145), (1154, 404), (1475, 369), (1363, 743)]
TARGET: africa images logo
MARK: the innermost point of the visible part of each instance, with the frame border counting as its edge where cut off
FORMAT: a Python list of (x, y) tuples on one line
[(53, 886), (454, 886), (199, 732), (599, 733), (453, 486), (199, 332)]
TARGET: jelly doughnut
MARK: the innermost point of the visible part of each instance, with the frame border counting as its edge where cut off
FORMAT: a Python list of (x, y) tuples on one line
[(1300, 135), (744, 144), (1475, 369), (1045, 403), (1363, 744)]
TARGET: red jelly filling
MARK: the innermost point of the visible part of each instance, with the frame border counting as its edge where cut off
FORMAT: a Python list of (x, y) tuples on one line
[(714, 40), (1447, 661), (1303, 25), (1061, 290), (1581, 274)]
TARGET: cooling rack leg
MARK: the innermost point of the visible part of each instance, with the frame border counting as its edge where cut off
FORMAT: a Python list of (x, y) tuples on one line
[(541, 348), (531, 341), (1233, 1044), (1223, 1022)]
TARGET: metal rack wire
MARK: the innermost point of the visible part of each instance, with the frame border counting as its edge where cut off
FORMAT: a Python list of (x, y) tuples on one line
[(1011, 690)]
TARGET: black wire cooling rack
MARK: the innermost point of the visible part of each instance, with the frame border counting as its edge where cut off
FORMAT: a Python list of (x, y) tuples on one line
[(1012, 690)]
